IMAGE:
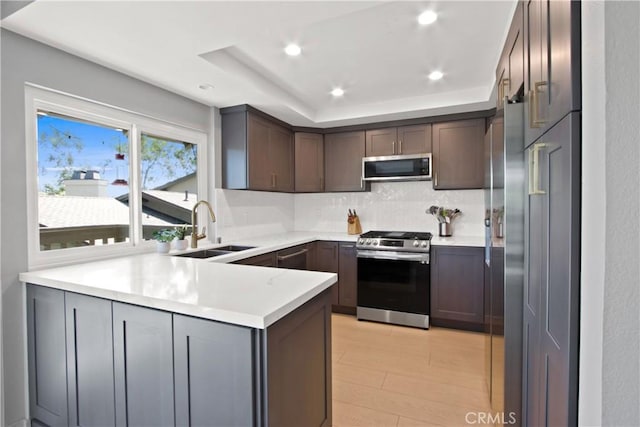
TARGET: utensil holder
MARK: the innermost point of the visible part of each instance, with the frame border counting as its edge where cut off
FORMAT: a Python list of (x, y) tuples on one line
[(444, 229), (353, 226)]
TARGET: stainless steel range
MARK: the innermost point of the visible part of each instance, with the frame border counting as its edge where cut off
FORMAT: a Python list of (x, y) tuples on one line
[(394, 282)]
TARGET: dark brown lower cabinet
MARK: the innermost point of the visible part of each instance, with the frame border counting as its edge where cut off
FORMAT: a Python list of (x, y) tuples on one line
[(327, 260), (457, 287), (149, 363), (298, 355), (340, 258), (348, 273), (264, 260)]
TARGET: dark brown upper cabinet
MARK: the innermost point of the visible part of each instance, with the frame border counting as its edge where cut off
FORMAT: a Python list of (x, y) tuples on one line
[(257, 153), (396, 141), (309, 155), (510, 71), (343, 153), (458, 152), (552, 64)]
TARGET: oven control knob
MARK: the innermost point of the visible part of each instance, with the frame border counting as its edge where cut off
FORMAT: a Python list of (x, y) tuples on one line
[(361, 241), (375, 243), (416, 244), (423, 244), (368, 242)]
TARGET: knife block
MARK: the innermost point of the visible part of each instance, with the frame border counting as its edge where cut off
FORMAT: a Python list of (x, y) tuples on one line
[(353, 225)]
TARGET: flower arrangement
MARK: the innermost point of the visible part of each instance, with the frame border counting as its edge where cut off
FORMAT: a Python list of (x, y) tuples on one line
[(444, 215)]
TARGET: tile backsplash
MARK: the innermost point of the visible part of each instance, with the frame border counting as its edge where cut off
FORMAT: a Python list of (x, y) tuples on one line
[(388, 206), (242, 213), (391, 206)]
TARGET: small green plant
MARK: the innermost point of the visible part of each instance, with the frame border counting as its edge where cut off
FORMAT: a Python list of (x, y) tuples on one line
[(181, 231), (164, 235)]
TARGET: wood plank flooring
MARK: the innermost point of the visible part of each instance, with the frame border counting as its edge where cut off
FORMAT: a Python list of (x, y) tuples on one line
[(386, 375)]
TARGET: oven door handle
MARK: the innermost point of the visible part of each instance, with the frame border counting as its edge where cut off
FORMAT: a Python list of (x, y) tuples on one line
[(424, 258)]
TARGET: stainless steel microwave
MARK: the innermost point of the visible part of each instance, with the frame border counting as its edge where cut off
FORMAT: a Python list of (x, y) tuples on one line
[(411, 167)]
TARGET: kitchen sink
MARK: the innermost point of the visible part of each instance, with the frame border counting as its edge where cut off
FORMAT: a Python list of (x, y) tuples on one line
[(210, 253), (234, 248), (205, 253)]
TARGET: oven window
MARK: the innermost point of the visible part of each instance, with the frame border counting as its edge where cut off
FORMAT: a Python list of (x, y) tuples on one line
[(394, 285)]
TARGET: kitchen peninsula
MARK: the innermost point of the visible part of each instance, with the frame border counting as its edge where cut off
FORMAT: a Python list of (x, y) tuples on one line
[(149, 339)]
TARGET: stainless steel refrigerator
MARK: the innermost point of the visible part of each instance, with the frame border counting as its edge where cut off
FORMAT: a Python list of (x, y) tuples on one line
[(504, 260)]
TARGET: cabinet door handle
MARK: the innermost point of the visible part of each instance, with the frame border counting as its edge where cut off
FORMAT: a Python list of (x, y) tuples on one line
[(534, 169), (400, 147), (393, 147), (321, 183), (273, 180), (295, 254), (502, 92), (435, 178), (534, 107)]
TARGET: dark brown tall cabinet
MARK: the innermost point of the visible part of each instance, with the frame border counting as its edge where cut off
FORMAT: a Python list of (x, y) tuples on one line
[(552, 63), (510, 71), (398, 141), (458, 150), (257, 153), (343, 153), (309, 155), (552, 212)]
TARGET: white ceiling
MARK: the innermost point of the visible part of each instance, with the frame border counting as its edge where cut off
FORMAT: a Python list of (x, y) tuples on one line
[(375, 50)]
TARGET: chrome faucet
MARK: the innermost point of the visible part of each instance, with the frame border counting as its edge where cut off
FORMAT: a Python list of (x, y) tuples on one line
[(194, 223)]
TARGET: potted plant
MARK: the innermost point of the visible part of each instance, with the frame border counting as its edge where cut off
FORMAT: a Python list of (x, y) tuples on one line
[(163, 238), (180, 233)]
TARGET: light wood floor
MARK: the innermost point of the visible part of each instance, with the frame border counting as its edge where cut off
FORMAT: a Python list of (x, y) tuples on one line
[(385, 375)]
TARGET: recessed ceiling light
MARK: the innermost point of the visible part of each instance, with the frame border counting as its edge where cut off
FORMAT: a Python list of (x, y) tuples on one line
[(435, 75), (337, 92), (292, 49), (427, 17), (206, 86)]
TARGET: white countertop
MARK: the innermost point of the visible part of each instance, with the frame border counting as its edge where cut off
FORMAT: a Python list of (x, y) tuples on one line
[(209, 288), (243, 295), (458, 241)]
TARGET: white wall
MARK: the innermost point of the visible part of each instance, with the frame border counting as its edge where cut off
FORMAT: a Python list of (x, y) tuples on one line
[(391, 206), (621, 327), (243, 214), (593, 216), (24, 60)]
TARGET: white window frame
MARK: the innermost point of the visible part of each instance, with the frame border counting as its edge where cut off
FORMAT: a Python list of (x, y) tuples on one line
[(38, 98)]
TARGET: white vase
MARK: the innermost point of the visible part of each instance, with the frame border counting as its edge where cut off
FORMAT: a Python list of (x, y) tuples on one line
[(163, 247), (180, 245)]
